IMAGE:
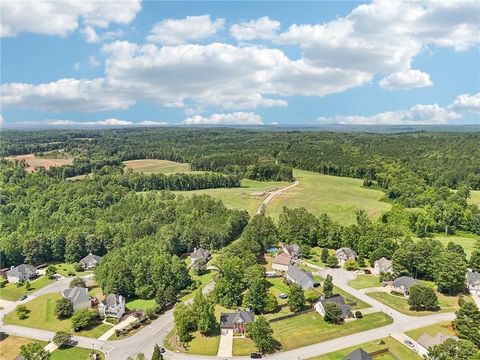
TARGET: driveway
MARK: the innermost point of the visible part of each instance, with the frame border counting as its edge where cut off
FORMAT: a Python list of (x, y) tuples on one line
[(419, 349), (225, 348)]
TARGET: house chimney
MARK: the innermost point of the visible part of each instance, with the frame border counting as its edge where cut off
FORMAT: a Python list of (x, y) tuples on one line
[(12, 267)]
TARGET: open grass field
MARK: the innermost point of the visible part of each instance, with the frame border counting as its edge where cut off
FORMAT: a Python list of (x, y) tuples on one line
[(243, 347), (65, 269), (12, 293), (365, 281), (396, 351), (140, 304), (339, 197), (10, 345), (33, 162), (474, 197), (466, 240), (432, 330), (72, 353), (42, 316), (400, 303), (151, 166), (310, 328)]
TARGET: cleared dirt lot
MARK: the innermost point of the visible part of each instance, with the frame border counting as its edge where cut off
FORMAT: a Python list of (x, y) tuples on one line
[(34, 162)]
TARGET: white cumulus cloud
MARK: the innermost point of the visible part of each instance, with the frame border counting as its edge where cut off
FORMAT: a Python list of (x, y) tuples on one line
[(466, 102), (262, 28), (236, 118), (406, 80), (180, 31), (106, 122)]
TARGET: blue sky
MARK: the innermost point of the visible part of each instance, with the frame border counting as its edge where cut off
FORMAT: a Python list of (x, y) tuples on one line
[(69, 63)]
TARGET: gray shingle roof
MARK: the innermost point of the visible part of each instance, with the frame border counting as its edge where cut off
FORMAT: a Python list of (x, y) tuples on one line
[(228, 319), (22, 270), (90, 257), (293, 249), (77, 295), (200, 254), (406, 281), (112, 300), (427, 341), (473, 278), (347, 251), (302, 278), (340, 302), (383, 264), (358, 354)]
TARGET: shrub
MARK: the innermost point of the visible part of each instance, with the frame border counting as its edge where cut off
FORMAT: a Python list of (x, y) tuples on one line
[(62, 338), (22, 312), (333, 313), (332, 261), (350, 265), (83, 318), (78, 267), (28, 286), (358, 314), (78, 282)]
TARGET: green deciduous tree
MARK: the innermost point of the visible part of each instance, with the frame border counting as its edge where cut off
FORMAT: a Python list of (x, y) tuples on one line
[(157, 355), (452, 349), (350, 265), (324, 255), (333, 313), (422, 297), (332, 261), (63, 308), (34, 351), (467, 323), (260, 331), (185, 321), (255, 297), (78, 282), (50, 271), (230, 285), (204, 310), (450, 275), (83, 318), (62, 338), (296, 298), (271, 304), (328, 287)]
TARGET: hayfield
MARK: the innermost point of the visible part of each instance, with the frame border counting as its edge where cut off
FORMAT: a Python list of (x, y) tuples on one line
[(33, 162), (151, 166)]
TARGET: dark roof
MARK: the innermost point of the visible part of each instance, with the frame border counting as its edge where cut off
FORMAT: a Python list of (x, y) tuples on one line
[(473, 278), (22, 269), (293, 249), (91, 257), (76, 295), (112, 300), (358, 354), (347, 251), (406, 281), (340, 302), (228, 319), (302, 278), (200, 254)]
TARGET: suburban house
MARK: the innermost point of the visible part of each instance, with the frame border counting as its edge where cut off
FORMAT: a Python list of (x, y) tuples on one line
[(403, 284), (90, 261), (292, 250), (337, 300), (358, 354), (199, 254), (21, 272), (427, 340), (237, 322), (473, 282), (79, 297), (281, 262), (344, 254), (112, 306), (382, 265), (300, 277)]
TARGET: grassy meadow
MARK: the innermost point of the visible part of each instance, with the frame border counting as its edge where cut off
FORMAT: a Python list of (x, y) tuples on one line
[(151, 166), (475, 197)]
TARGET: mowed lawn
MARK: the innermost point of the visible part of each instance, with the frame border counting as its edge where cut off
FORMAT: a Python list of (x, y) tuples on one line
[(474, 197), (42, 316), (243, 347), (10, 345), (467, 242), (432, 330), (12, 292), (311, 328), (365, 281), (73, 353), (400, 303), (151, 166), (396, 351), (339, 197)]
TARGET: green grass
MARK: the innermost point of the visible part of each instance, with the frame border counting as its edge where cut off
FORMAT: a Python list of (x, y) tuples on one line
[(72, 353), (339, 197), (12, 293), (466, 240), (315, 255), (204, 280), (150, 166), (365, 281), (66, 268), (10, 345), (400, 303), (140, 304), (243, 347), (42, 316), (311, 328), (432, 330), (474, 197)]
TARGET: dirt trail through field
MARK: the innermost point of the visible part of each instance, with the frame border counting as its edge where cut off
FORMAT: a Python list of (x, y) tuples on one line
[(273, 194)]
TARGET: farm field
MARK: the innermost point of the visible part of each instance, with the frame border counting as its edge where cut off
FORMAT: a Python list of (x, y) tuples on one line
[(339, 197), (396, 351), (12, 292), (33, 161), (151, 166), (42, 316), (10, 345), (432, 330), (310, 328)]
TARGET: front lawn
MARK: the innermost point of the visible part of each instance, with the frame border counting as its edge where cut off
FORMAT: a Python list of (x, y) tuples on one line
[(365, 281), (73, 353), (10, 345), (67, 269), (400, 303), (243, 347), (311, 328), (199, 345), (42, 316), (140, 304), (432, 330), (12, 292), (203, 279), (396, 351)]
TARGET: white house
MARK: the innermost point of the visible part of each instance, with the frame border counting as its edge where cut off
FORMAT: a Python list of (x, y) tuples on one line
[(403, 284), (337, 300), (79, 297), (473, 283), (112, 306), (281, 262), (21, 272), (382, 265), (90, 261), (344, 254)]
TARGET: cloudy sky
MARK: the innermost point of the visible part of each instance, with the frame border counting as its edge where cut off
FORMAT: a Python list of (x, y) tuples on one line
[(101, 63)]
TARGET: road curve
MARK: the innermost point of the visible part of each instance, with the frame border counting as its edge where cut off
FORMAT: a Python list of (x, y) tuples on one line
[(273, 194)]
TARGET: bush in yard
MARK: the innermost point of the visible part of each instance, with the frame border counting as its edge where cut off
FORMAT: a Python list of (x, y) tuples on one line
[(296, 299), (50, 271), (63, 308), (358, 314), (78, 282), (83, 318), (361, 261), (21, 312), (324, 255), (271, 304), (333, 313), (78, 267), (150, 312), (386, 276), (28, 286), (422, 297), (260, 331), (34, 351), (312, 296), (332, 261), (157, 355), (350, 265), (62, 338)]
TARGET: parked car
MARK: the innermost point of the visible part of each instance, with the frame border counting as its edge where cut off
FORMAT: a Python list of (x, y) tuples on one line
[(255, 356), (366, 271), (23, 297), (283, 296), (409, 343), (162, 349)]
